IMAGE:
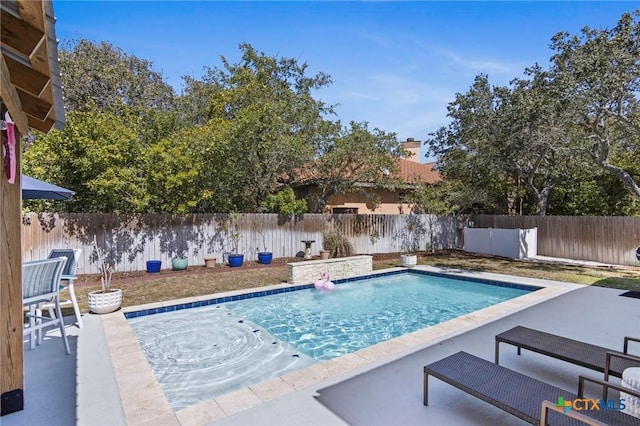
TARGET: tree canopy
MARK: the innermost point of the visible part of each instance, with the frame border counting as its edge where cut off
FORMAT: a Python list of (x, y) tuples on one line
[(533, 145), (101, 77), (98, 156), (598, 73), (266, 104), (226, 144), (347, 159)]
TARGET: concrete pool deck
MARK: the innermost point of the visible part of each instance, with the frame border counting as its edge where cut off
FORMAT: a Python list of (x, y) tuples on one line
[(377, 385)]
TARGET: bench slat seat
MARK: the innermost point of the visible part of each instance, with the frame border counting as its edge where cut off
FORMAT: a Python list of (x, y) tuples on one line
[(513, 392), (573, 351)]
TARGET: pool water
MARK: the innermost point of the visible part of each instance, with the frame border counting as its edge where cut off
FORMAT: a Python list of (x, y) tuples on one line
[(356, 315), (205, 352)]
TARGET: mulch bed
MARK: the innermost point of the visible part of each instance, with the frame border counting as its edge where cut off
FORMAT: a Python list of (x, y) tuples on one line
[(124, 277)]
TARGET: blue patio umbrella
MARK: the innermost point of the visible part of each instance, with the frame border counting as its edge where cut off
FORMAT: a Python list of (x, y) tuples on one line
[(35, 189)]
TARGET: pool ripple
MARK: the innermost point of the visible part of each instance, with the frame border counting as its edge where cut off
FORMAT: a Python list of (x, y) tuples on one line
[(222, 353), (202, 353)]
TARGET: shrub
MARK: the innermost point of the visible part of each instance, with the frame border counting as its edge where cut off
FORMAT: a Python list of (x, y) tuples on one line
[(337, 244), (284, 202)]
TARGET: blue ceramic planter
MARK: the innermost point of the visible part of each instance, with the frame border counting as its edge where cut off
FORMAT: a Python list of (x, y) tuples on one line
[(265, 257), (235, 260), (153, 266)]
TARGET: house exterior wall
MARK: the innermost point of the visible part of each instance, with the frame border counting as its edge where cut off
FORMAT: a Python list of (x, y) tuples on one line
[(389, 202)]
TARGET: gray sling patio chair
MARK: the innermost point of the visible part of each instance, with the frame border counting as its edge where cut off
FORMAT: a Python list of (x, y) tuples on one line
[(522, 396), (598, 358), (67, 280), (41, 283)]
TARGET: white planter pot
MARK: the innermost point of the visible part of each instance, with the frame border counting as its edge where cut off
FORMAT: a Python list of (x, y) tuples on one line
[(103, 303), (409, 260)]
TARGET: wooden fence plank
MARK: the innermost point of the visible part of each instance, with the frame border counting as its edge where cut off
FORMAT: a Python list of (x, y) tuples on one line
[(607, 239), (131, 241)]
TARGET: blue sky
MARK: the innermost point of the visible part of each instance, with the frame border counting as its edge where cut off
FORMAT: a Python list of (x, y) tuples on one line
[(394, 64)]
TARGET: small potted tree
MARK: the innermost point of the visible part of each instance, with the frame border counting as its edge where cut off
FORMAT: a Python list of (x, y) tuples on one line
[(410, 236), (264, 256), (107, 299), (234, 258)]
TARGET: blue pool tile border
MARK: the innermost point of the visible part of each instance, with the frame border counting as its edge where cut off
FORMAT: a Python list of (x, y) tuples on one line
[(218, 300)]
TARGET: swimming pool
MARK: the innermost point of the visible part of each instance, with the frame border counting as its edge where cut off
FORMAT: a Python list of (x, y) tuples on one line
[(202, 353)]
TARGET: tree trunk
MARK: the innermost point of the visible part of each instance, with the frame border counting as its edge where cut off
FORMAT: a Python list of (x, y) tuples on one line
[(600, 154), (542, 198), (624, 176)]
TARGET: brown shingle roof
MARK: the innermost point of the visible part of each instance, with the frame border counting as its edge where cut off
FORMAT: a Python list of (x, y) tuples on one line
[(412, 172)]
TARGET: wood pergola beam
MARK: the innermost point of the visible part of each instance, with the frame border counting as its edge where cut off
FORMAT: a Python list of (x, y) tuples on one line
[(30, 80), (18, 34), (42, 125), (32, 13), (30, 54), (33, 105), (11, 99)]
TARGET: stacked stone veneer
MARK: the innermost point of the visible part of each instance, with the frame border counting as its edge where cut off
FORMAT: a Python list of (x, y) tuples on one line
[(309, 271)]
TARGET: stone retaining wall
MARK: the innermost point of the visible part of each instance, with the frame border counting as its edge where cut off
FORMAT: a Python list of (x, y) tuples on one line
[(309, 271)]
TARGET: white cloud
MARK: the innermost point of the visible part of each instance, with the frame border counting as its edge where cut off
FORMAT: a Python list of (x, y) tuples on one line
[(476, 64)]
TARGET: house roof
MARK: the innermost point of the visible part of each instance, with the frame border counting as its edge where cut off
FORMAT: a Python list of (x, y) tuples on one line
[(410, 172), (31, 84)]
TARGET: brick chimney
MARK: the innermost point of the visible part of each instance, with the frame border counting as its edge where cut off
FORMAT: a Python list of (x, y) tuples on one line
[(412, 146)]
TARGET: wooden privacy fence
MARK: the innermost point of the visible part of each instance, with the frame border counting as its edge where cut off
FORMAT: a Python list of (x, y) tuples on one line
[(129, 241), (608, 239)]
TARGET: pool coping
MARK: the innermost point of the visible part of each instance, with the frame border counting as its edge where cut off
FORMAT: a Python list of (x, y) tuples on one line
[(144, 401)]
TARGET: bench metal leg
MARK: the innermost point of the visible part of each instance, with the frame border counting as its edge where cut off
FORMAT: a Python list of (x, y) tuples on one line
[(497, 357), (425, 395)]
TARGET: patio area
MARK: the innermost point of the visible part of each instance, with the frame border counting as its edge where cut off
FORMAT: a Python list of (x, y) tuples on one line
[(377, 390)]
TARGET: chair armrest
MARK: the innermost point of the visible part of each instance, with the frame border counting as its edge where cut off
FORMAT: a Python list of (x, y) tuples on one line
[(605, 386), (610, 355), (548, 405), (628, 339), (67, 280)]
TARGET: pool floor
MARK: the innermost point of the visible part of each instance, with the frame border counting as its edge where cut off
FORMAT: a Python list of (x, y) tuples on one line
[(221, 353)]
